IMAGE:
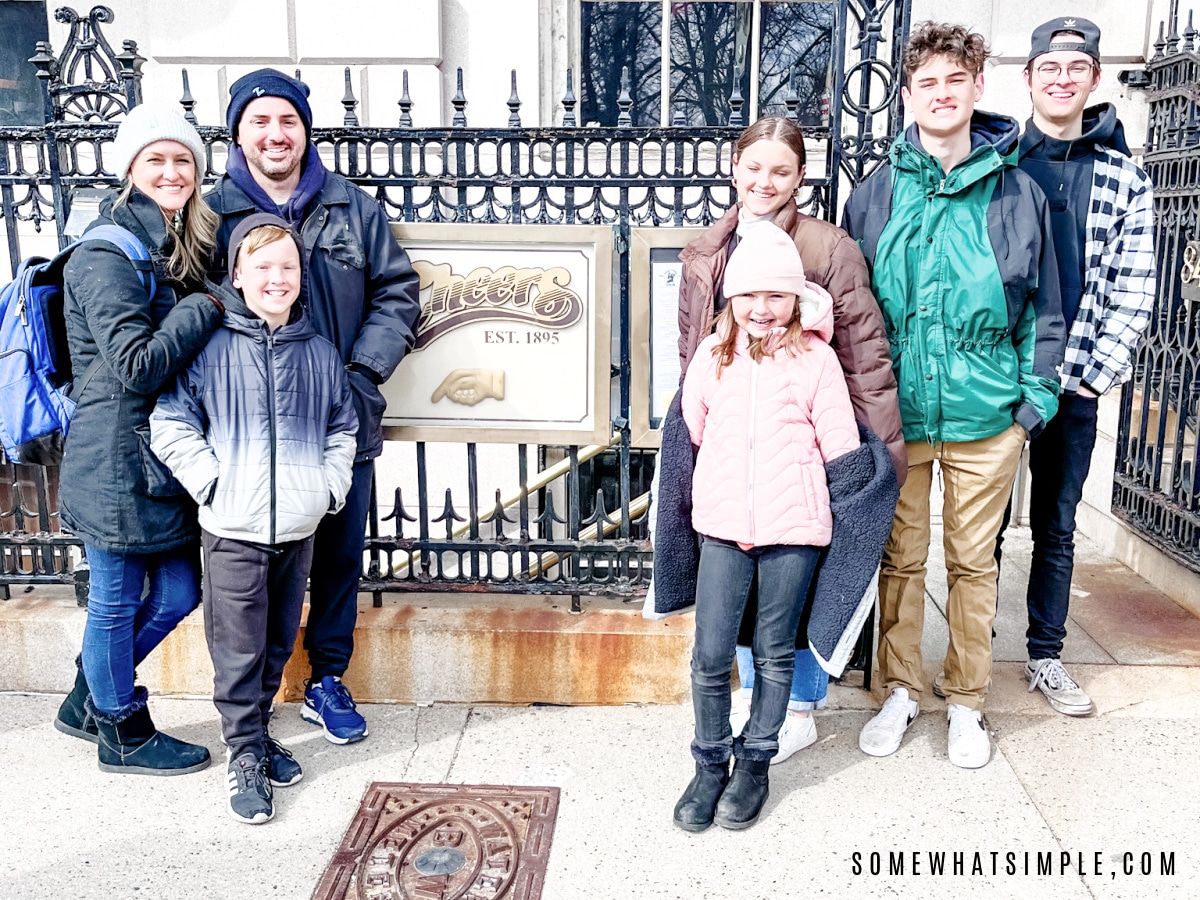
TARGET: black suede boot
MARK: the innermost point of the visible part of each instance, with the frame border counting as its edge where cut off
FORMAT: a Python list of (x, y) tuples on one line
[(73, 717), (694, 811), (131, 745), (743, 799)]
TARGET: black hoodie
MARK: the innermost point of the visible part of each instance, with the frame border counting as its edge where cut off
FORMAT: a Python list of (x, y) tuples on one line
[(1063, 170)]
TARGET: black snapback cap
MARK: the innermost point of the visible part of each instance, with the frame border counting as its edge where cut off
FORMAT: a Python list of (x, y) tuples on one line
[(1042, 36)]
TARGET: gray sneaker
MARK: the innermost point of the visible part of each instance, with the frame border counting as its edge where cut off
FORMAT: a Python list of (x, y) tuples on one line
[(250, 795), (1049, 676)]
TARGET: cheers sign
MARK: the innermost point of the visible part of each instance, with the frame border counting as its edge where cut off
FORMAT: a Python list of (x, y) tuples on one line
[(532, 296)]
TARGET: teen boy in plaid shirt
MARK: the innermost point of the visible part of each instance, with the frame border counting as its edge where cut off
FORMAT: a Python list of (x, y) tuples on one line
[(1102, 213)]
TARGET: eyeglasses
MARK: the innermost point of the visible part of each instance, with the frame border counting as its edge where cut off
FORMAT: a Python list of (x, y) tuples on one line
[(1078, 72)]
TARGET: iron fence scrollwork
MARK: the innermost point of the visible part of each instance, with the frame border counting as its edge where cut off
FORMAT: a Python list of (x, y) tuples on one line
[(1156, 487), (578, 534)]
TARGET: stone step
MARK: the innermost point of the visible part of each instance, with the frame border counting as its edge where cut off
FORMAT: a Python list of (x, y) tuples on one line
[(486, 648)]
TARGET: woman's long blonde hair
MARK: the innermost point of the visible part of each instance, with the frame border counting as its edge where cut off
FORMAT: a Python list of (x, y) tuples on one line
[(191, 243), (793, 339)]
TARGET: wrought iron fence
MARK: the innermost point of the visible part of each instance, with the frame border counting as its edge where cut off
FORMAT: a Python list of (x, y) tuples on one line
[(585, 534), (1156, 489)]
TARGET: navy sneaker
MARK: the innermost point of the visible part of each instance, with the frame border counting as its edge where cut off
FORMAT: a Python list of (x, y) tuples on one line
[(330, 705), (282, 768), (250, 796)]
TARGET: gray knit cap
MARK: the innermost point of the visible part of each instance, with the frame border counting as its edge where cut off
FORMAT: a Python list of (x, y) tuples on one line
[(152, 122)]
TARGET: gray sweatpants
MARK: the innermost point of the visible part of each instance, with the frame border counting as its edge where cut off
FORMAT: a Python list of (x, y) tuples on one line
[(253, 596)]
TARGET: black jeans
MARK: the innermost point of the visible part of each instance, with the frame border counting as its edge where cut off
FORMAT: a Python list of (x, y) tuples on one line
[(253, 597), (336, 570), (1059, 459), (723, 583)]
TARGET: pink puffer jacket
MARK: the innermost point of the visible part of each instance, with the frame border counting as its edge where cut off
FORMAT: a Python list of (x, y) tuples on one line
[(765, 431)]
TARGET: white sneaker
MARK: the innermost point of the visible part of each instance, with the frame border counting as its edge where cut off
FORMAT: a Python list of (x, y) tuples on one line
[(968, 741), (797, 733), (1049, 676), (882, 735), (739, 713)]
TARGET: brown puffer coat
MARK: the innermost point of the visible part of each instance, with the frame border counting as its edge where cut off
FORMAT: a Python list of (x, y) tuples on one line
[(832, 260)]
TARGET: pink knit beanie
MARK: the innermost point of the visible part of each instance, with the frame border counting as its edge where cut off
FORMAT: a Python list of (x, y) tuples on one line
[(766, 259)]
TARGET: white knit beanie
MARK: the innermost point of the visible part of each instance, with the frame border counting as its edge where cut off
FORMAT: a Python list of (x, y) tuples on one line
[(152, 122), (765, 259)]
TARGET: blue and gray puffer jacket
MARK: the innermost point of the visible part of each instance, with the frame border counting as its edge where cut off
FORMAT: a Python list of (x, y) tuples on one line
[(260, 429)]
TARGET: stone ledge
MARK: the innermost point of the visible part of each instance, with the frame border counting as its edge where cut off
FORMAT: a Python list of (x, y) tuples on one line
[(485, 649)]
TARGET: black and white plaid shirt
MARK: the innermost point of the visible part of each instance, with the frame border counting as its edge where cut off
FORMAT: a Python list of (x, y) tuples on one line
[(1120, 279)]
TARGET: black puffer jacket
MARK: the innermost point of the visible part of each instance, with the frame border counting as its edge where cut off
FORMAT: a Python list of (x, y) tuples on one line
[(114, 494), (359, 287)]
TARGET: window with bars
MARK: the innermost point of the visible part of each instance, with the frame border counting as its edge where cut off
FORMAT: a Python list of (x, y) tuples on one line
[(697, 49)]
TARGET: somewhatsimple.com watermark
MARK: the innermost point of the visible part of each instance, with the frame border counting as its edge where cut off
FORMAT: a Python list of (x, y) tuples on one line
[(1050, 863)]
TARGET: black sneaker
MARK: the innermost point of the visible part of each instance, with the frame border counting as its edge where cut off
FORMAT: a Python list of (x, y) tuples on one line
[(250, 795), (282, 768)]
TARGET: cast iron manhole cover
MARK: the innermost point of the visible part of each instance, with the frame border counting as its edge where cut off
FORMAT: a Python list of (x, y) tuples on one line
[(444, 842)]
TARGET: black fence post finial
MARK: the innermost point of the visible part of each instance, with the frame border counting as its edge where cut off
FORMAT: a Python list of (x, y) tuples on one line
[(187, 101), (348, 101), (568, 103), (131, 73), (47, 68), (1161, 43), (624, 101), (791, 99), (1173, 33), (405, 103), (737, 119), (514, 104), (459, 102), (1189, 35)]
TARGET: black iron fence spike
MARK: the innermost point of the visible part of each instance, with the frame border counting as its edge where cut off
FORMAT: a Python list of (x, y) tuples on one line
[(405, 103), (568, 103), (459, 102), (348, 101), (187, 101), (624, 101), (791, 99), (736, 101), (514, 104)]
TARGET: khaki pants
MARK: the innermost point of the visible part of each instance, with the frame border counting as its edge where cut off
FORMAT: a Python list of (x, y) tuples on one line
[(978, 478)]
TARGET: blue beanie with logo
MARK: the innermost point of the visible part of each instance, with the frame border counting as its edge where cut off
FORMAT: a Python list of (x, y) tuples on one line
[(267, 83)]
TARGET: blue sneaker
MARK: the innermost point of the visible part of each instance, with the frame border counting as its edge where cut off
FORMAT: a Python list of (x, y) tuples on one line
[(330, 705)]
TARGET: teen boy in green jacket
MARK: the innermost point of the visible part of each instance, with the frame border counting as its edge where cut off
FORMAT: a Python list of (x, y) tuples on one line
[(959, 243)]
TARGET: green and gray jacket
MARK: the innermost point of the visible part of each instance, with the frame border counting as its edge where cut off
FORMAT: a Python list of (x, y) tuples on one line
[(964, 269)]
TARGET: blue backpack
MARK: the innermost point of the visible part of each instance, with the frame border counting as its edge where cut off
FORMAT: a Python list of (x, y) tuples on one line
[(36, 395)]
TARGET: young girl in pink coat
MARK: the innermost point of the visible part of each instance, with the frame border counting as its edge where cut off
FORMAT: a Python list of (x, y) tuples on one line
[(766, 403)]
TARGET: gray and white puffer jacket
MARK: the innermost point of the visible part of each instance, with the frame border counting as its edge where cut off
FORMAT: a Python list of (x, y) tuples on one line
[(260, 429)]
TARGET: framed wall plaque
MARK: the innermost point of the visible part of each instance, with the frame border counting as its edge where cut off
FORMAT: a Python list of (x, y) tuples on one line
[(655, 274), (513, 339)]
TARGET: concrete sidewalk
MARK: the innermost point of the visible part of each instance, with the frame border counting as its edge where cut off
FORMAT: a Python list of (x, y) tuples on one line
[(1114, 792)]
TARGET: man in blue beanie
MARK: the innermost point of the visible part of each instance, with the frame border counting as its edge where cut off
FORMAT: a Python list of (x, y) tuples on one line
[(360, 291)]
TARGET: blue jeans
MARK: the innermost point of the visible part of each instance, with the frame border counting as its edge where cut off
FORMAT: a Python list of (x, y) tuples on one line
[(1059, 459), (125, 621), (724, 578), (809, 681)]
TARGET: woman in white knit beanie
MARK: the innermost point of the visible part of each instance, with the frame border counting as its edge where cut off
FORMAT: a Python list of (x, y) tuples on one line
[(129, 335)]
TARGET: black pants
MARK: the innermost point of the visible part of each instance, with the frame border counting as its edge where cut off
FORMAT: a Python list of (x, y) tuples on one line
[(253, 596), (336, 569)]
